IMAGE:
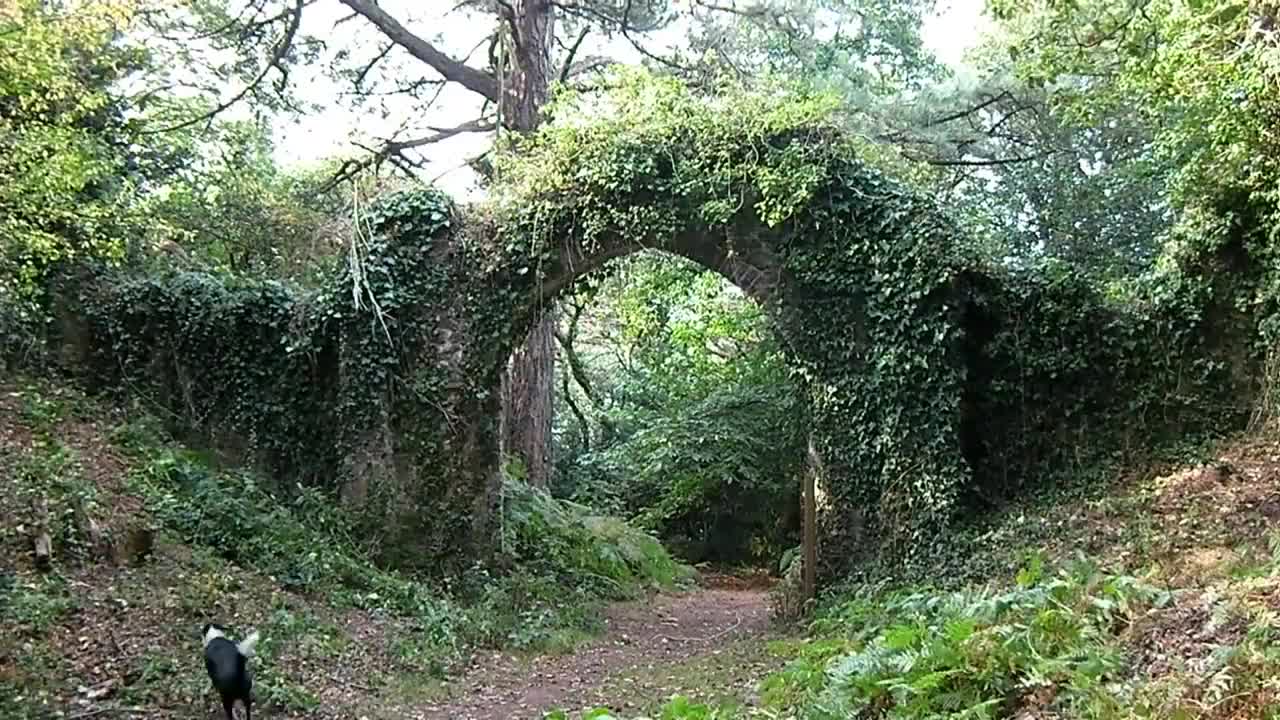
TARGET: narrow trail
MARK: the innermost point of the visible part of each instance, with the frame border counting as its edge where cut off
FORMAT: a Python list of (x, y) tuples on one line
[(648, 651)]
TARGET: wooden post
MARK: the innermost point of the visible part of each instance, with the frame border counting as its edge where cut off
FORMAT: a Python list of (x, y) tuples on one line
[(810, 541)]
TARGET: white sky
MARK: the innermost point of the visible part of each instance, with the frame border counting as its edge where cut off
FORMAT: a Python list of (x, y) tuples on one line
[(953, 30)]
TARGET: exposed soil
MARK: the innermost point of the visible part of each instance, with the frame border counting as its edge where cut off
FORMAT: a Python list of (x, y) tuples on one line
[(642, 638), (126, 645)]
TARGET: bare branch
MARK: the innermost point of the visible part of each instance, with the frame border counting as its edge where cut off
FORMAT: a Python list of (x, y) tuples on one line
[(995, 128), (577, 372), (393, 150), (477, 81), (278, 55), (602, 16), (963, 162), (755, 12), (587, 64), (988, 102), (625, 29), (368, 68), (573, 52), (622, 25)]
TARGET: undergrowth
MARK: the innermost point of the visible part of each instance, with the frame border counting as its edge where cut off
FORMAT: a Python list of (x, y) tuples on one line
[(1054, 644), (970, 654), (977, 653), (562, 560), (301, 554)]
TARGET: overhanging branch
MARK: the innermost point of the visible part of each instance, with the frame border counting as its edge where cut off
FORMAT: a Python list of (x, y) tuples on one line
[(278, 55), (393, 150), (978, 107), (573, 52), (988, 162), (476, 81), (620, 23)]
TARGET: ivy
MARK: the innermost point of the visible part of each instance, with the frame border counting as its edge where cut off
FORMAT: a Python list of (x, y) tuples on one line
[(934, 381)]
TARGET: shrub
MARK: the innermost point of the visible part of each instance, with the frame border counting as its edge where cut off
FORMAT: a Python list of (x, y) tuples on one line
[(569, 542), (305, 542), (920, 654)]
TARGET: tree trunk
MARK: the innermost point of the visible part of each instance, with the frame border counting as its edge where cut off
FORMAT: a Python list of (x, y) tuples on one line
[(809, 541), (528, 386), (528, 402)]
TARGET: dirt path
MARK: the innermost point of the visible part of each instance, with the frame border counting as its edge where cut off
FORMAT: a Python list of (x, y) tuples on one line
[(646, 653)]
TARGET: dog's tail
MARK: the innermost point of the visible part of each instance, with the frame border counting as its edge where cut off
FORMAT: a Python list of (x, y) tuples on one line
[(246, 645)]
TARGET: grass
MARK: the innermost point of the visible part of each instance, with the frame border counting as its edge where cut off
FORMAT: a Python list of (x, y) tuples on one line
[(721, 679), (231, 547), (1174, 615), (35, 604)]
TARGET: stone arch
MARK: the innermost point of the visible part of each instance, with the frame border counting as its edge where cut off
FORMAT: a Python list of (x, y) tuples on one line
[(748, 261), (923, 367), (860, 276), (384, 385)]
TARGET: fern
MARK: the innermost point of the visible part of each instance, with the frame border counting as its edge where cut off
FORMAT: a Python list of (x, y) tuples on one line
[(975, 653), (1219, 686)]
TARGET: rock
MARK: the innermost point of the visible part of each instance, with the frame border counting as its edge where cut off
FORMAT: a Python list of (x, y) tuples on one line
[(138, 543), (44, 551)]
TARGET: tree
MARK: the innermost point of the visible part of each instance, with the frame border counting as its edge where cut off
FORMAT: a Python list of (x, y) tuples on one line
[(1031, 180), (1198, 80), (535, 44), (64, 160)]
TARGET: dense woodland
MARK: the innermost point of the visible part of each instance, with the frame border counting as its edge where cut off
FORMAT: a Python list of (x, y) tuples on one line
[(715, 247)]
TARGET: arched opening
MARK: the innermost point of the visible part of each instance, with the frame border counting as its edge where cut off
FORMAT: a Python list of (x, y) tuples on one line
[(677, 410), (858, 276)]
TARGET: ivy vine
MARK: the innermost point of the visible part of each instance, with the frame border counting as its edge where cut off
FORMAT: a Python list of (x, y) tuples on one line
[(937, 383)]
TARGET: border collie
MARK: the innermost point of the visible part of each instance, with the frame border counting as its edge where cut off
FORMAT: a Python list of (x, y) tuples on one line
[(227, 663)]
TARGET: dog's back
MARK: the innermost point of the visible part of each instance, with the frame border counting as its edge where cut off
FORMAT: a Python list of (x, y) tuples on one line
[(227, 668), (227, 663)]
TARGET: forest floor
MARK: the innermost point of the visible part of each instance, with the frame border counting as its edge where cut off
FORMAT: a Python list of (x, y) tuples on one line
[(118, 637), (710, 643)]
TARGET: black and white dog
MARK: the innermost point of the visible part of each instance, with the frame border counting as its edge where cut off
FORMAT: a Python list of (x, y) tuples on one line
[(228, 667)]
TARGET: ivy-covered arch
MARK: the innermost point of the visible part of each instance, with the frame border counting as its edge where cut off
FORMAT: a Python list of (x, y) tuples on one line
[(860, 276), (921, 364), (383, 385)]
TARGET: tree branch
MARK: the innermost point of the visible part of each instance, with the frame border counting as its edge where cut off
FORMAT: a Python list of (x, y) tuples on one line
[(583, 424), (625, 28), (961, 162), (393, 150), (621, 24), (586, 64), (579, 373), (368, 68), (476, 81), (757, 11), (576, 367), (278, 55), (969, 110), (573, 52)]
